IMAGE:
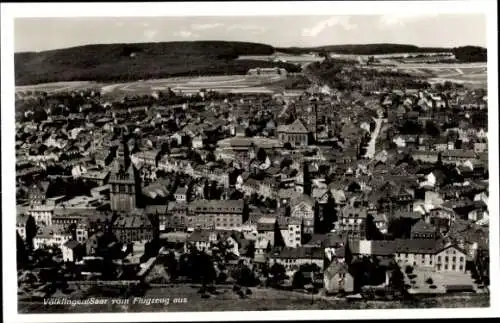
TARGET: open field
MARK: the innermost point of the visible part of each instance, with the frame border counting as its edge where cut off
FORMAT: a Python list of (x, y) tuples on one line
[(226, 83), (468, 73)]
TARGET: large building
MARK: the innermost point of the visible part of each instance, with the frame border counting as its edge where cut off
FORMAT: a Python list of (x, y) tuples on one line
[(133, 228), (352, 221), (218, 214), (123, 184), (295, 133)]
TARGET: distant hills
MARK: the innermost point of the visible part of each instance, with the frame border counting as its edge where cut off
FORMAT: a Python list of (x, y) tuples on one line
[(463, 54), (129, 62)]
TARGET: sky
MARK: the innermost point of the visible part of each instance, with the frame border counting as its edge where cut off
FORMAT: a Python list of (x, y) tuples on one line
[(430, 30)]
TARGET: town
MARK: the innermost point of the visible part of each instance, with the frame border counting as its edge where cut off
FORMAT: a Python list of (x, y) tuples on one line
[(368, 190)]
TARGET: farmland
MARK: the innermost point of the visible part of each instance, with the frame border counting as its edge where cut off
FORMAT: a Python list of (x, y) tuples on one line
[(468, 73), (224, 83)]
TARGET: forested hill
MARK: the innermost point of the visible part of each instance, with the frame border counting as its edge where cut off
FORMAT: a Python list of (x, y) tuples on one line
[(125, 62), (463, 54), (130, 62)]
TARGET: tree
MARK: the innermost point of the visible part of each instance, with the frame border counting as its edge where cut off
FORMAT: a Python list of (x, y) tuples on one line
[(278, 273), (261, 155), (31, 231), (298, 280), (432, 129), (21, 251)]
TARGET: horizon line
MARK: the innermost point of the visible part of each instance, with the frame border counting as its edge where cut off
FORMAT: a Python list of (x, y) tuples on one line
[(250, 42)]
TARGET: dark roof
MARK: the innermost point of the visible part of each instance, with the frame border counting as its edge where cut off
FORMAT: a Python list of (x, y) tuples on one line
[(199, 235), (71, 244), (131, 221), (422, 226), (214, 206), (301, 253), (153, 209), (418, 246)]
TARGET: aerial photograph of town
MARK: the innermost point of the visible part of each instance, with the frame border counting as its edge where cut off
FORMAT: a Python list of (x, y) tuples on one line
[(187, 164)]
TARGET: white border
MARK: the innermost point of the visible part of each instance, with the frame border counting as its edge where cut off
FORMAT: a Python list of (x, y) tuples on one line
[(10, 11)]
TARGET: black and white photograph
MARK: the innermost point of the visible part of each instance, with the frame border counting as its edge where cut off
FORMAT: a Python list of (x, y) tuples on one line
[(240, 159)]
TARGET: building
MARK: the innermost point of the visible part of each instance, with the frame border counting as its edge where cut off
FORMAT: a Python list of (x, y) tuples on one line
[(99, 177), (176, 217), (123, 185), (293, 258), (71, 251), (352, 221), (423, 230), (132, 228), (429, 253), (180, 194), (37, 193), (337, 278), (296, 134), (201, 240), (218, 214), (41, 213), (51, 236), (291, 231), (303, 208), (21, 223)]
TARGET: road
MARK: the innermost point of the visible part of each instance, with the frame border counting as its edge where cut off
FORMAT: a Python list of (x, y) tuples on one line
[(370, 150)]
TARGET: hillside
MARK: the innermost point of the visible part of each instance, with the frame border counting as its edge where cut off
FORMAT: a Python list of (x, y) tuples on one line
[(128, 62), (131, 62), (463, 54)]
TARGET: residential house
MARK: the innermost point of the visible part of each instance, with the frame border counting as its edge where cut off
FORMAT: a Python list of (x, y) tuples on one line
[(291, 231), (293, 258), (180, 194), (49, 236), (352, 221), (304, 208), (201, 240), (338, 279), (133, 228), (21, 221), (423, 230), (71, 251)]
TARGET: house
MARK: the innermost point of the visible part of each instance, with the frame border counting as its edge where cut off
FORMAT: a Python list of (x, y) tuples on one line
[(352, 221), (423, 230), (71, 251), (291, 231), (133, 228), (266, 227), (201, 240), (293, 258), (176, 217), (450, 258), (51, 236), (381, 222), (180, 194), (37, 193), (197, 142), (303, 208), (337, 278), (21, 222)]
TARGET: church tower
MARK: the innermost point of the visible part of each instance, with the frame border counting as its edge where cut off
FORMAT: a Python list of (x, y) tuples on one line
[(123, 185)]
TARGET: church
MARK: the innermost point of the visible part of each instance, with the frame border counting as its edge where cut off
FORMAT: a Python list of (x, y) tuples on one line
[(123, 183)]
